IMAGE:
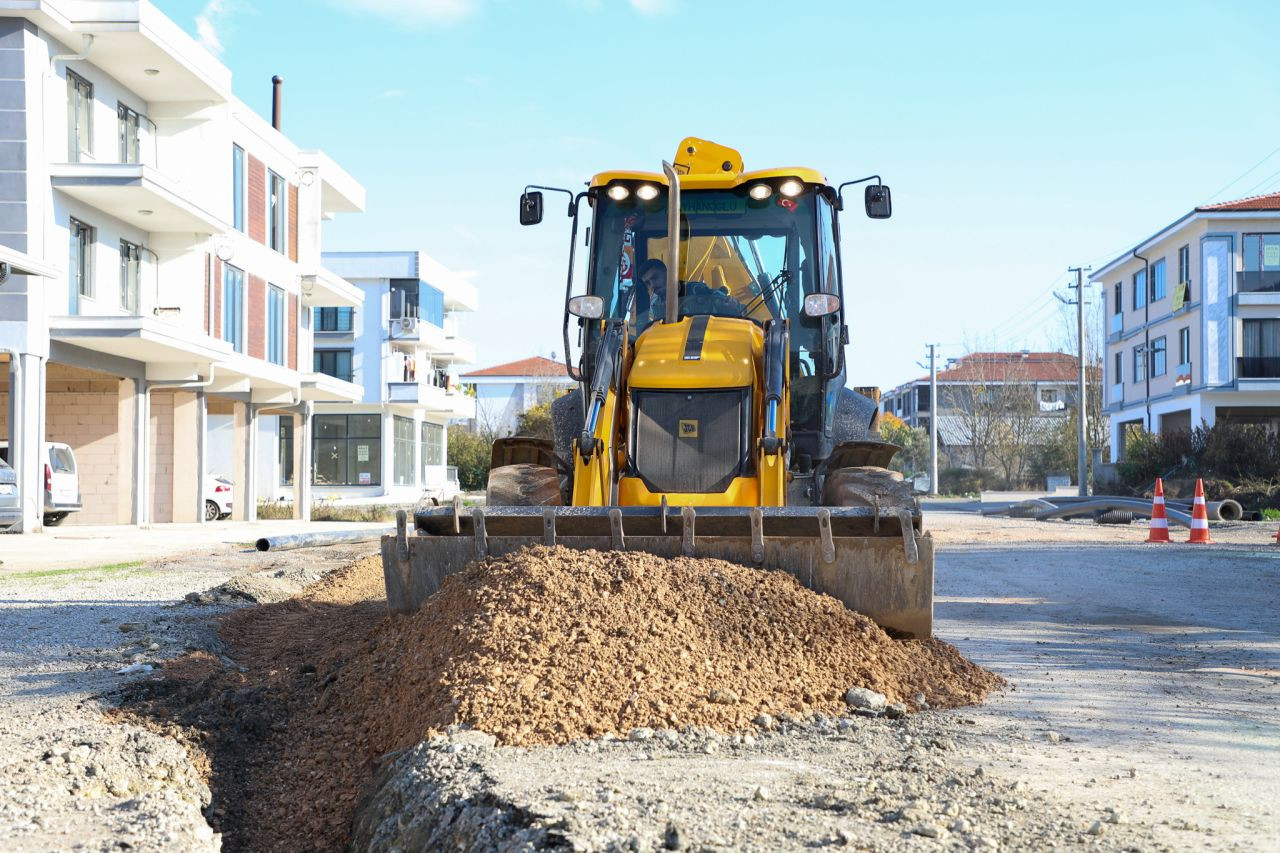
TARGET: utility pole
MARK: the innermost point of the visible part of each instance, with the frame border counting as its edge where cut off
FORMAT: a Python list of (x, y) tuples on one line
[(1082, 450), (933, 420)]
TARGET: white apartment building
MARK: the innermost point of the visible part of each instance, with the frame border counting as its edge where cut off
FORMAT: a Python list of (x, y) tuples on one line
[(162, 249), (1194, 322), (402, 349)]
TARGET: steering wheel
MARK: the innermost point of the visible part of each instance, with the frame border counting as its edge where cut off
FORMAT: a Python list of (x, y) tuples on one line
[(707, 301)]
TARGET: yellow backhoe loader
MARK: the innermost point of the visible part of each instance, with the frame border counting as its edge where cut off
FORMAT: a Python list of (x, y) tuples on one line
[(711, 416)]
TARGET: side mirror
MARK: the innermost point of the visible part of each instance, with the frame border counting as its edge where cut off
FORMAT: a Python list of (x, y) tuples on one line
[(821, 304), (587, 307), (530, 208), (877, 201)]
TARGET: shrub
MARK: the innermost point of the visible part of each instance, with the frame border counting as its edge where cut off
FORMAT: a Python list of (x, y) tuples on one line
[(536, 422), (470, 454), (966, 481)]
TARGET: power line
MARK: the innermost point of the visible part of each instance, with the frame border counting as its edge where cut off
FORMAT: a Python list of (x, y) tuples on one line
[(1233, 181)]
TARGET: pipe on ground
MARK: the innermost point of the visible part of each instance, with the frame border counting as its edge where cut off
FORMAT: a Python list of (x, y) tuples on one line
[(1102, 505), (329, 537)]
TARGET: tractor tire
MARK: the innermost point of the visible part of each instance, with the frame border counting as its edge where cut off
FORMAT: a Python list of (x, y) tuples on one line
[(524, 484)]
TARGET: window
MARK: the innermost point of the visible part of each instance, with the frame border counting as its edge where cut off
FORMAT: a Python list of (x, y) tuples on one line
[(130, 151), (1119, 298), (1159, 356), (1139, 364), (334, 319), (404, 298), (1261, 263), (1140, 289), (1184, 267), (1048, 395), (1117, 375), (1157, 281), (275, 325), (233, 306), (276, 213), (334, 362), (402, 460), (285, 452), (922, 398), (1262, 339), (81, 266), (347, 450), (1184, 345), (237, 187), (130, 275), (79, 117), (432, 446)]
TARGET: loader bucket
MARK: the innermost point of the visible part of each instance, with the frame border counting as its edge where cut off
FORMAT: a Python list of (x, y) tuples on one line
[(859, 555)]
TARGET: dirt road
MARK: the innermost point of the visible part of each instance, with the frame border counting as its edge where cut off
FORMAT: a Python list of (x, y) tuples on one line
[(1146, 713)]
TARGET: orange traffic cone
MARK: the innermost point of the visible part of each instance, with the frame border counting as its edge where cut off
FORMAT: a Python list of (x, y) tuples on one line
[(1159, 521), (1199, 518)]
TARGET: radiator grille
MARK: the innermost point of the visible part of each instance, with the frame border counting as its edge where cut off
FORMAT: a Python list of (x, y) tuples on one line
[(690, 441)]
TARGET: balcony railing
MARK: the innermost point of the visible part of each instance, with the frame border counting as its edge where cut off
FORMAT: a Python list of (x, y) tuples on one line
[(1117, 324), (1117, 392), (1258, 367), (1258, 282)]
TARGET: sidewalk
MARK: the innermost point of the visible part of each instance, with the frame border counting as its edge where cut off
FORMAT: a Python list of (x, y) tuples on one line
[(89, 546)]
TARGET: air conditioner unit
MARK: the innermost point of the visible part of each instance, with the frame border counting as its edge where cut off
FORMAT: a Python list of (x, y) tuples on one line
[(407, 325)]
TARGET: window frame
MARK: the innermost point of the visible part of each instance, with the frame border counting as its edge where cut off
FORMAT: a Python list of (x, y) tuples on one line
[(80, 264), (1184, 265), (276, 332), (123, 114), (432, 449), (79, 93), (239, 189), (1159, 356), (1139, 364), (404, 452), (1184, 345), (1140, 292), (284, 451), (319, 356), (1157, 287), (233, 309), (1119, 298), (130, 251), (277, 213), (1118, 379), (336, 312), (347, 440)]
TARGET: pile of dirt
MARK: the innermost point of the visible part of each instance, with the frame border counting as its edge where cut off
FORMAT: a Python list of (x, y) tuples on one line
[(543, 646)]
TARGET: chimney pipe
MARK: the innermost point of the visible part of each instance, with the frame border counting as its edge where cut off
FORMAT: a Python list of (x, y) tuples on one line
[(276, 82)]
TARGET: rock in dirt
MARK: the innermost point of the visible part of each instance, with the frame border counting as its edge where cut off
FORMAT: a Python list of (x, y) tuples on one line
[(861, 697)]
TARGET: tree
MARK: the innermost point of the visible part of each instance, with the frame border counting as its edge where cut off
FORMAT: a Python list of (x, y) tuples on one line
[(914, 442), (536, 422), (469, 453)]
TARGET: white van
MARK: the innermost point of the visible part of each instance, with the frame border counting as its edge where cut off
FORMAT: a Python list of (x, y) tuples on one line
[(61, 480)]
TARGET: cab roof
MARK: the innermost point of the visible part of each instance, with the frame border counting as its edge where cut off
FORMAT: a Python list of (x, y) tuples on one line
[(704, 165)]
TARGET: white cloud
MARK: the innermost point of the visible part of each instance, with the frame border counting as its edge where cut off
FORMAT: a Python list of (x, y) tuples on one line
[(207, 23), (414, 11), (651, 7)]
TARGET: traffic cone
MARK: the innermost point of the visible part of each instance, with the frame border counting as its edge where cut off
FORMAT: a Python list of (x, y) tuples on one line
[(1199, 518), (1159, 521)]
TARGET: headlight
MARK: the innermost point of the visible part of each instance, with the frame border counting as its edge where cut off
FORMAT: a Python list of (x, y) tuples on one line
[(617, 192), (645, 192), (791, 188), (760, 192)]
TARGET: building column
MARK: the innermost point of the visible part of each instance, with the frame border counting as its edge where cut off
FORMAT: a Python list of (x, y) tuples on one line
[(26, 434), (141, 452), (240, 454), (251, 463), (188, 493), (202, 442), (302, 461)]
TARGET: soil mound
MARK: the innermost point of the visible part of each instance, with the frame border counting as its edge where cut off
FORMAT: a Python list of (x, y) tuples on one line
[(542, 646)]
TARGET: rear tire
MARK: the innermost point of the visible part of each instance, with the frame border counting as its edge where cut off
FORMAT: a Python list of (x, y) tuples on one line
[(211, 511), (53, 519), (838, 488), (524, 484)]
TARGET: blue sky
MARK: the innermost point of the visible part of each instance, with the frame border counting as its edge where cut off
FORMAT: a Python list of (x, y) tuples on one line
[(1019, 138)]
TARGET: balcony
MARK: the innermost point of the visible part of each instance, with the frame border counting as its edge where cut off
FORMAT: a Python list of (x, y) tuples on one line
[(432, 398), (1117, 324), (1117, 393), (1258, 367), (1267, 281), (137, 194)]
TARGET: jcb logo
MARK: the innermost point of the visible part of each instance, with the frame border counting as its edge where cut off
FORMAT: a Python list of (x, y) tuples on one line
[(689, 429)]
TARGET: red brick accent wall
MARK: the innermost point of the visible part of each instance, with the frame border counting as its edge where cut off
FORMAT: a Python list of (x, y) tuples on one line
[(291, 347), (257, 311), (207, 266), (217, 298), (257, 212), (293, 222)]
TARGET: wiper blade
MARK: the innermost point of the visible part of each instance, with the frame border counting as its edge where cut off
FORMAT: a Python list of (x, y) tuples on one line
[(778, 280)]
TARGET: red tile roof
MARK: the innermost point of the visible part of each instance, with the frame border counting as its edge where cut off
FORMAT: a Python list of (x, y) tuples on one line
[(536, 366), (1257, 202), (1011, 366)]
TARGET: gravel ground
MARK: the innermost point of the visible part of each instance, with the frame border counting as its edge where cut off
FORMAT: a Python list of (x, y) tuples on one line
[(1144, 716), (69, 779)]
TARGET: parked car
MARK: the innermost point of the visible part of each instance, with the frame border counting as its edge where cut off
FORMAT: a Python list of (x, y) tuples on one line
[(217, 497), (10, 512), (61, 480)]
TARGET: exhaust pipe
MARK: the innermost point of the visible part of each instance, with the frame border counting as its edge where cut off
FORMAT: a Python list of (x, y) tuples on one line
[(673, 246), (277, 82)]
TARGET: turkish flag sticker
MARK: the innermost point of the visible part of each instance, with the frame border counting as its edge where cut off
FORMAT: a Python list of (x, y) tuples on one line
[(787, 203)]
